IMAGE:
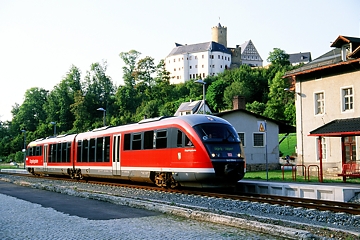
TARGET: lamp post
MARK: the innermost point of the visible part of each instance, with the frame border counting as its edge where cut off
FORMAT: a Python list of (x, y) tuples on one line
[(24, 149), (104, 112), (203, 83), (54, 123)]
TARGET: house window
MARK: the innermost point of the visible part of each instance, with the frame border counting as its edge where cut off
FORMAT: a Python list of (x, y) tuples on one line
[(202, 56), (195, 57), (190, 57), (319, 103), (220, 66), (174, 69), (218, 56), (323, 148), (174, 60), (202, 66), (258, 139), (203, 75), (190, 76), (242, 137), (190, 67), (348, 98)]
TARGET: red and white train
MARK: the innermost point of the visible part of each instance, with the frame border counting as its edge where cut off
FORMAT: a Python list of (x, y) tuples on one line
[(191, 150)]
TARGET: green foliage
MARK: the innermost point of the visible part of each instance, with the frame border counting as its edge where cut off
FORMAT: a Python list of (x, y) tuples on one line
[(287, 146), (278, 56)]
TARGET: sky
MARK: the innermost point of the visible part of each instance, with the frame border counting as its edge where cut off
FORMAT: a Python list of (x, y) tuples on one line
[(41, 39)]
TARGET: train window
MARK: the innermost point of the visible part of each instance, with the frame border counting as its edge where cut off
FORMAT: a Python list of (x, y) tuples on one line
[(79, 150), (127, 142), (99, 149), (149, 140), (85, 151), (217, 132), (107, 149), (179, 142), (68, 151), (55, 156), (50, 157), (183, 140), (30, 151), (161, 139), (92, 150), (38, 151), (136, 142), (62, 151)]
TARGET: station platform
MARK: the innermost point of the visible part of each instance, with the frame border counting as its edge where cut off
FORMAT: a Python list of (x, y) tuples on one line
[(15, 170), (340, 192)]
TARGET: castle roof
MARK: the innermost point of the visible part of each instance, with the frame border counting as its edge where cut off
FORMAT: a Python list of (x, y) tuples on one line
[(198, 47)]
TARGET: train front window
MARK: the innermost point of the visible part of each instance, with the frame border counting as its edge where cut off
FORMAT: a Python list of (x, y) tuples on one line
[(216, 133)]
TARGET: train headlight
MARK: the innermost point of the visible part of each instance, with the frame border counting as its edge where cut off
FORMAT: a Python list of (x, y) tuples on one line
[(239, 155), (213, 154)]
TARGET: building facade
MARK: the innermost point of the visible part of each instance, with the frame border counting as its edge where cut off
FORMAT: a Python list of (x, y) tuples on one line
[(249, 55), (197, 61), (327, 107), (259, 135)]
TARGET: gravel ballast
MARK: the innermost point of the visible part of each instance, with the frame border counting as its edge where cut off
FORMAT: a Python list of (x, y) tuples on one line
[(288, 221)]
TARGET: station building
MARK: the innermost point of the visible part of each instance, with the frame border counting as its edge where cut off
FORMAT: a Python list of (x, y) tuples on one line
[(327, 99)]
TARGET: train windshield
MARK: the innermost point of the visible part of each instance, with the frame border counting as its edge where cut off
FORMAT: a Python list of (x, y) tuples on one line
[(220, 140), (217, 133)]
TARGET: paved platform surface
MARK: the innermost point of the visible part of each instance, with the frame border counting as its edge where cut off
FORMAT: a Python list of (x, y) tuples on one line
[(341, 192), (28, 213)]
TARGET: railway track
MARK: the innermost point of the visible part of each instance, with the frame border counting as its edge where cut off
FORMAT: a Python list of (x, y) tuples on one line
[(321, 205)]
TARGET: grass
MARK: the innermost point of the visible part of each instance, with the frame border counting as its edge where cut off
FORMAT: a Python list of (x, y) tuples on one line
[(8, 166), (277, 176), (287, 146)]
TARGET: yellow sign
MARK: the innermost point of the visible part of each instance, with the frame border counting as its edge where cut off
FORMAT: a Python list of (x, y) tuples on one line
[(261, 126)]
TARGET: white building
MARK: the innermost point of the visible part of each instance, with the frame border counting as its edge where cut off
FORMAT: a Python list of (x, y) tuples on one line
[(200, 60), (327, 107), (249, 55), (197, 61)]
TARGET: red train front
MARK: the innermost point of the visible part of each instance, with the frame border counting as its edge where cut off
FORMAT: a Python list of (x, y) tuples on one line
[(191, 150)]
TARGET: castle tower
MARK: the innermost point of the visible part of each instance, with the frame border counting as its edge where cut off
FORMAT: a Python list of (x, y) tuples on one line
[(219, 34)]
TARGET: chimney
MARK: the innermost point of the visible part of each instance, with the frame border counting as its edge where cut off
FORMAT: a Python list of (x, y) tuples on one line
[(239, 103)]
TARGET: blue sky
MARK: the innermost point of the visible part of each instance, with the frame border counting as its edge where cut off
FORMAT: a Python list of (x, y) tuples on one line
[(40, 40)]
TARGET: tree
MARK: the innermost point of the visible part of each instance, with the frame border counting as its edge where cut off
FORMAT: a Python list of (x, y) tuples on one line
[(215, 95), (235, 89), (98, 93), (129, 59), (278, 99), (61, 98), (278, 56), (31, 113)]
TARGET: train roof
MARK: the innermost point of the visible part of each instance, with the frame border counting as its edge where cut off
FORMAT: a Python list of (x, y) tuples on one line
[(52, 139), (192, 120)]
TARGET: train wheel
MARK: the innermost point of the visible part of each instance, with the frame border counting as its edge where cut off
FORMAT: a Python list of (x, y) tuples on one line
[(165, 180), (172, 183), (160, 179)]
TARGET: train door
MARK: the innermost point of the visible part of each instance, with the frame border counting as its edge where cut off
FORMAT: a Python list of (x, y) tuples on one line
[(45, 160), (116, 155)]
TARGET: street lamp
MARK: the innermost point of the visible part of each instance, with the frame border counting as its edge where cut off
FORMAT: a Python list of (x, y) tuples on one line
[(24, 149), (203, 83), (104, 111), (54, 123)]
